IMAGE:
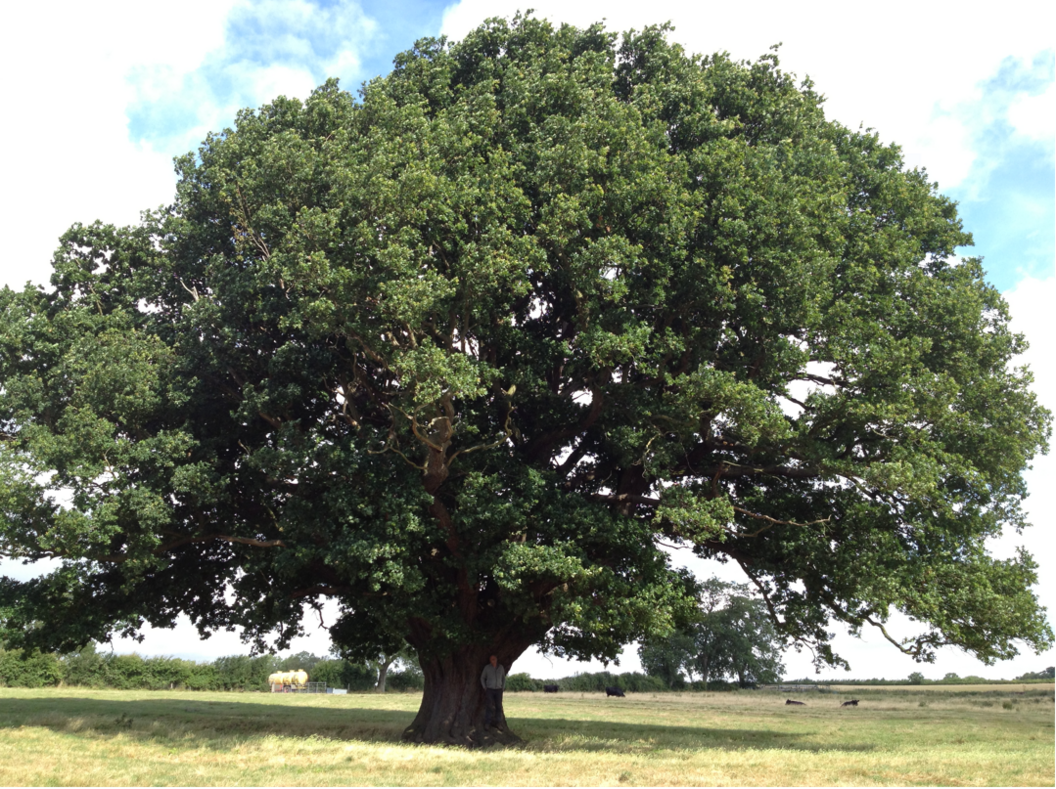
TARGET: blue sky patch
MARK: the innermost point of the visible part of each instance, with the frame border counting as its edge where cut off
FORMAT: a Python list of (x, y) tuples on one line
[(1008, 200), (274, 47)]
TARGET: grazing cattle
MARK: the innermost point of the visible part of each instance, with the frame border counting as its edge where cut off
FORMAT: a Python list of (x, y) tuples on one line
[(800, 703), (613, 692), (851, 703), (549, 688)]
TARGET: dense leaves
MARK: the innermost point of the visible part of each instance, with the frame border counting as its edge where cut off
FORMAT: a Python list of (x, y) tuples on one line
[(460, 352)]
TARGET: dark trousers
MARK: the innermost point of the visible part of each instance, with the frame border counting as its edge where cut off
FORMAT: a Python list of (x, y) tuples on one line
[(493, 706)]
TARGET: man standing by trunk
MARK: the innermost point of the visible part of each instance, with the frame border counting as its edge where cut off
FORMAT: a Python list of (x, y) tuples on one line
[(493, 678)]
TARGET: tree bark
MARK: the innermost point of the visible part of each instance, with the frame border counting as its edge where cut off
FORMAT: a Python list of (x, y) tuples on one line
[(383, 672), (452, 709)]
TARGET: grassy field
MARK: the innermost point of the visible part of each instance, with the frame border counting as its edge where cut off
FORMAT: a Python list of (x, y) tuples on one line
[(960, 737)]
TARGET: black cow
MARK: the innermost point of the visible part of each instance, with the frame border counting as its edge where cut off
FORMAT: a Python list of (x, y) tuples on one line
[(613, 692), (800, 703), (851, 703), (549, 688)]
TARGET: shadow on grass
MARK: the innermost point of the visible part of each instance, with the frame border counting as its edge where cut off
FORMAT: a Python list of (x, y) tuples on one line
[(223, 725)]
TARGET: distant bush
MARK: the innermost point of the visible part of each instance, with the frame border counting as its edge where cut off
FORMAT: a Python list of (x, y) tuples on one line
[(134, 672), (242, 672), (90, 668), (597, 681), (355, 676), (636, 682), (84, 668), (408, 678), (590, 682), (35, 669), (330, 672), (523, 682)]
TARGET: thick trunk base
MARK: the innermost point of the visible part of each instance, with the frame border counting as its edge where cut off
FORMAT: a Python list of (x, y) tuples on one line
[(452, 710)]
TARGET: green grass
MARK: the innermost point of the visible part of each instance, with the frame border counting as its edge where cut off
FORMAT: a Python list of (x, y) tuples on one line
[(71, 736)]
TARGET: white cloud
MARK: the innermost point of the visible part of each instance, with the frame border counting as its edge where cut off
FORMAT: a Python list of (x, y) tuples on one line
[(75, 79), (267, 83), (68, 155), (944, 148), (1030, 304), (1035, 116)]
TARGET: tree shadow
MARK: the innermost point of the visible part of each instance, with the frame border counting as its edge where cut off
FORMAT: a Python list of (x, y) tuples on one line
[(225, 725), (218, 725)]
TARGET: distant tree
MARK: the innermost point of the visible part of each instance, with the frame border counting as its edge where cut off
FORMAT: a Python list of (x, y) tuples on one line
[(386, 660), (753, 646), (732, 636), (916, 678), (300, 660), (1049, 673), (950, 677), (669, 658)]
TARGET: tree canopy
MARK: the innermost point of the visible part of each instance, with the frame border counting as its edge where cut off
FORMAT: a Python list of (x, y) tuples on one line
[(462, 351)]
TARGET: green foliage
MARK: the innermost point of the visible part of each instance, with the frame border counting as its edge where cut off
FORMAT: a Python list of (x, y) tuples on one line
[(329, 671), (343, 674), (29, 669), (667, 659), (409, 678), (729, 636), (523, 682), (241, 672), (637, 682), (461, 352), (301, 660), (88, 667), (597, 681), (1049, 674), (589, 682), (133, 672)]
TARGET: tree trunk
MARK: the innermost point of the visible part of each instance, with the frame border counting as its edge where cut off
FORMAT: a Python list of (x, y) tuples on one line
[(452, 708), (383, 673)]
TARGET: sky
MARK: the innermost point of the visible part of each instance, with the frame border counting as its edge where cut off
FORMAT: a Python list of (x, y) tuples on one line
[(101, 96)]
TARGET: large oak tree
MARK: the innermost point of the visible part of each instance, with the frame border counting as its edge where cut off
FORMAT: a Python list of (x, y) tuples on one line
[(461, 352)]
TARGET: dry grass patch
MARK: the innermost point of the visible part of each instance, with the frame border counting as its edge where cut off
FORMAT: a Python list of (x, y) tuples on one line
[(108, 738)]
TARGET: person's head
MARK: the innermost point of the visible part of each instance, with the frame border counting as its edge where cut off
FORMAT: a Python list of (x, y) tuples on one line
[(494, 660)]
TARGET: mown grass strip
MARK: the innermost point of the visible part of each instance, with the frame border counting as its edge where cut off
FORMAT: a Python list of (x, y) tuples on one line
[(76, 737)]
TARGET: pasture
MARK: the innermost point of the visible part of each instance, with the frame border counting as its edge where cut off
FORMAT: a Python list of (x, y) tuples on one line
[(963, 736)]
